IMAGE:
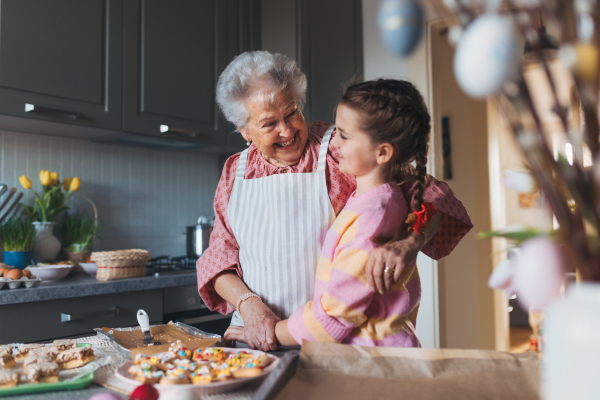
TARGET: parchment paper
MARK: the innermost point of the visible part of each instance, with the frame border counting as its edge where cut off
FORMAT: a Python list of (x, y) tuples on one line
[(166, 334), (335, 371)]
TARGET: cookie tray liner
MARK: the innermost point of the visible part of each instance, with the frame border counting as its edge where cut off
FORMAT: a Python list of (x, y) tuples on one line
[(190, 330)]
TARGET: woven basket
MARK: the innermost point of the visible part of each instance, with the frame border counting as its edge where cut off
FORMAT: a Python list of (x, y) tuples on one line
[(120, 264)]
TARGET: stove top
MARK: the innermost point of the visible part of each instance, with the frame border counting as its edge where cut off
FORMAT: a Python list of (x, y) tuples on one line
[(165, 264)]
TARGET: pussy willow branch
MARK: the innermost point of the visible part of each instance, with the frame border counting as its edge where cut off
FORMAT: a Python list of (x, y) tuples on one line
[(571, 230)]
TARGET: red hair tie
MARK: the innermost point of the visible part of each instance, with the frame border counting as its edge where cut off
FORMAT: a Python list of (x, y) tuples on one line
[(428, 210)]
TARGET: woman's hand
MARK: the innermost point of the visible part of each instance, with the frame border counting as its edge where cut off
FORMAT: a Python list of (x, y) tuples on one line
[(259, 325), (395, 256)]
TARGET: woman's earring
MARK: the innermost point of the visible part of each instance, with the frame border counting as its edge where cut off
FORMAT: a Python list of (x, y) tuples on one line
[(249, 143)]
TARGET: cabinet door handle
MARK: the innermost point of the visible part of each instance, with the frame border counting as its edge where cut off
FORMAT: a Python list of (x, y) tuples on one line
[(32, 108), (171, 129), (64, 317)]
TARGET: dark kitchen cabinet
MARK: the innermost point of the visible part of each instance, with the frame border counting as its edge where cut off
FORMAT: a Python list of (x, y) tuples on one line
[(60, 60), (174, 53)]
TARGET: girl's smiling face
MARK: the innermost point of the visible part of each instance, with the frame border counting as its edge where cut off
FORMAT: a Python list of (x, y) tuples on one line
[(358, 155)]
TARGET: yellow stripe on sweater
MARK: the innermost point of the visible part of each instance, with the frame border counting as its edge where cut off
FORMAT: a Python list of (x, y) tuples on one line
[(353, 262), (343, 220), (337, 309), (380, 329), (314, 326), (323, 269)]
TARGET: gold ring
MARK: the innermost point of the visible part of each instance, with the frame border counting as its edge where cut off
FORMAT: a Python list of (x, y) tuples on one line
[(389, 270)]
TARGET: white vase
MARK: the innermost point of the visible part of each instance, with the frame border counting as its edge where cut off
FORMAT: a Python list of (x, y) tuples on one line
[(45, 245), (572, 345)]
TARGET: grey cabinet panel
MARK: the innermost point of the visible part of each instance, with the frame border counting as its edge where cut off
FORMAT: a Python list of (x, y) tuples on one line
[(41, 321), (330, 51), (173, 54), (63, 57)]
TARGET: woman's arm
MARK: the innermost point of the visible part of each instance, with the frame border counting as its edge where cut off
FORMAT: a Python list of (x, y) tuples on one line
[(397, 256), (259, 320), (444, 232)]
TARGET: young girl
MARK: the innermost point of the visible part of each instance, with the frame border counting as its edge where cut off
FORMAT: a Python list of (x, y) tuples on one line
[(381, 128)]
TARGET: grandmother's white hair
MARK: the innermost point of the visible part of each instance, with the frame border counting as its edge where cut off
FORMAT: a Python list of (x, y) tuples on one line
[(257, 75)]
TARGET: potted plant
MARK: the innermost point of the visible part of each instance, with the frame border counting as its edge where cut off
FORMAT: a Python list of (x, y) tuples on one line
[(17, 237), (46, 207), (78, 234)]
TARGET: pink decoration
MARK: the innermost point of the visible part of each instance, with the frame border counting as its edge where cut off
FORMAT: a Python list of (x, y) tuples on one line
[(144, 392), (539, 272)]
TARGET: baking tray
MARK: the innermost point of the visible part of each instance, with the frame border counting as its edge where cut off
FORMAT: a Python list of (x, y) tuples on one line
[(190, 330), (280, 376)]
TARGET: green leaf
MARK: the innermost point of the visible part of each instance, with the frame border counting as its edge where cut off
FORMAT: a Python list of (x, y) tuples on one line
[(519, 234)]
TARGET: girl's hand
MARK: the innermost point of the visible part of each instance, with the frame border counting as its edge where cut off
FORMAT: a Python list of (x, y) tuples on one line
[(259, 325), (234, 333), (395, 256)]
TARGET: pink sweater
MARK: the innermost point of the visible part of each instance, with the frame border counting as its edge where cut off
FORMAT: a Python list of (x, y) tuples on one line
[(344, 309)]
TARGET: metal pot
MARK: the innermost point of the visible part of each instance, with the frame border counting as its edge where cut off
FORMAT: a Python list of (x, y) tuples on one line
[(198, 236)]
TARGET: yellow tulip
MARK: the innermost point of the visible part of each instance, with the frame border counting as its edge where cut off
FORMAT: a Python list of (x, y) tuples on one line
[(25, 182), (54, 178), (75, 184), (66, 184), (45, 177)]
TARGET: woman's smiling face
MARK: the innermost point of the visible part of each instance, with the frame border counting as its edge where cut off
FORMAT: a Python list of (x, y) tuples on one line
[(277, 129)]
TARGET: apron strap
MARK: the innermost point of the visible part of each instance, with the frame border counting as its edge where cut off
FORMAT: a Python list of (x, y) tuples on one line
[(241, 168), (324, 148)]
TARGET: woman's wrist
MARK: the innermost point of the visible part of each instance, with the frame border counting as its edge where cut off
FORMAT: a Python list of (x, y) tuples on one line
[(246, 297)]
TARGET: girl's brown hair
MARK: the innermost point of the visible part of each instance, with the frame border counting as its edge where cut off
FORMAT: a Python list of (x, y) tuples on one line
[(393, 111)]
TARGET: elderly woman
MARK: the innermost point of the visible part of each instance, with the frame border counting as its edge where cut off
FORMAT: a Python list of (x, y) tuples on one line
[(276, 200)]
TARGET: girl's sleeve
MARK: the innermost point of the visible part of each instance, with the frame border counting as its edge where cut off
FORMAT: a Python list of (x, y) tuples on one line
[(345, 294), (223, 250), (455, 222)]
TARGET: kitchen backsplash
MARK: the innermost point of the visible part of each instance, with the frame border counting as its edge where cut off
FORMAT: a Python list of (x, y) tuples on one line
[(145, 197)]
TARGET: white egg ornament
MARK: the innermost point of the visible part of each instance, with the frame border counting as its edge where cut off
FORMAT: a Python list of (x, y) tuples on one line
[(400, 25), (487, 56)]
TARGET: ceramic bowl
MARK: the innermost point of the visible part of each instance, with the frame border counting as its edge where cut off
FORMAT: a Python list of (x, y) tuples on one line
[(89, 268), (51, 272)]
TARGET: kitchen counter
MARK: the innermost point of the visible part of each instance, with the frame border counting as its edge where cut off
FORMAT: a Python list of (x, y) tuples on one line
[(84, 285)]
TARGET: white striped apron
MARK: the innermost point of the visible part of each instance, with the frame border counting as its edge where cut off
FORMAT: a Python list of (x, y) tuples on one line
[(280, 222)]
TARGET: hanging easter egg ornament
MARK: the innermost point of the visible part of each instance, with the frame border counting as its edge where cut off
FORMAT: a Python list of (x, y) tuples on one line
[(400, 25), (487, 56)]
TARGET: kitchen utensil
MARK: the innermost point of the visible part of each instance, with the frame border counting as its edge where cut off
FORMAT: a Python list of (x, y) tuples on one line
[(198, 236), (3, 188), (9, 204), (144, 322), (51, 273)]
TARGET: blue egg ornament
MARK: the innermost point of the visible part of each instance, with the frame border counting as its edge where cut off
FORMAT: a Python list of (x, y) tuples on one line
[(400, 25), (487, 55)]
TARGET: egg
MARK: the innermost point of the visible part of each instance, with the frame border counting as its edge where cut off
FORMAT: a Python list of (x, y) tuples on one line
[(400, 24), (14, 274), (144, 392), (27, 273), (178, 394), (2, 270), (104, 396), (487, 55)]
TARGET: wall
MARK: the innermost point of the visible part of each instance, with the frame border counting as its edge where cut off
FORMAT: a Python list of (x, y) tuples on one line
[(145, 197)]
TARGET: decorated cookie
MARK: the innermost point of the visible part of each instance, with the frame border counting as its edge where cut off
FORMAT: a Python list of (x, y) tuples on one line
[(7, 360), (24, 350), (76, 357), (9, 378), (46, 372)]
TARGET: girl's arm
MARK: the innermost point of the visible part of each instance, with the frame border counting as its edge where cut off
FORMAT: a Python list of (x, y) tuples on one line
[(284, 338)]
